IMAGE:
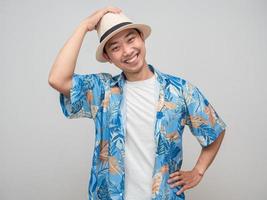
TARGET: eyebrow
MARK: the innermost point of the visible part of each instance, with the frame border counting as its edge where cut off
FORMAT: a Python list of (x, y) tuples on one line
[(112, 43)]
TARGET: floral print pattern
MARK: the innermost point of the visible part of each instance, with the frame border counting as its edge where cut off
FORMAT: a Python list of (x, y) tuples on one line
[(100, 97)]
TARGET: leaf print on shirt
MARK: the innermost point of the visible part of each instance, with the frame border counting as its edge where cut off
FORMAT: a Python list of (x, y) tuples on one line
[(115, 90), (162, 130), (89, 96), (102, 191), (178, 99), (197, 121), (164, 169), (94, 110), (183, 122), (211, 114), (157, 179), (162, 146), (105, 101), (170, 105), (172, 136), (104, 150), (113, 165), (165, 104), (160, 103), (190, 88), (156, 184)]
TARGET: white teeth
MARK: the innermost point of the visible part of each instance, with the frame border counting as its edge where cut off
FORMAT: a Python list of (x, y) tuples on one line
[(131, 60)]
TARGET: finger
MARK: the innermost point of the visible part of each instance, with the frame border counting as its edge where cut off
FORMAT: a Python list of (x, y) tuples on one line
[(112, 9), (182, 182), (176, 178), (115, 10), (184, 188), (177, 173)]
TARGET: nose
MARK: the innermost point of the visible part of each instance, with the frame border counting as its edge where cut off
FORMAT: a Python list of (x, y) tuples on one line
[(127, 50)]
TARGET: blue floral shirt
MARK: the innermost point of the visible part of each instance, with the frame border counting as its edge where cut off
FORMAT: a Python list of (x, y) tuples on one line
[(100, 97)]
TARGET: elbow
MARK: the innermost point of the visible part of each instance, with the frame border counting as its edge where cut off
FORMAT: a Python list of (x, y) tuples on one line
[(60, 86), (51, 81), (54, 77), (54, 82)]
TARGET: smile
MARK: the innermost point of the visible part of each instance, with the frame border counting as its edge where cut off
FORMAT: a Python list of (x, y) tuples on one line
[(131, 60)]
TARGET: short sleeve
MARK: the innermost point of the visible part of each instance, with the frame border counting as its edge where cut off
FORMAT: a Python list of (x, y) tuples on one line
[(86, 95), (204, 122)]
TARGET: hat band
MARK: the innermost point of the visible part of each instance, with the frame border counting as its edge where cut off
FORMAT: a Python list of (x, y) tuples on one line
[(109, 31)]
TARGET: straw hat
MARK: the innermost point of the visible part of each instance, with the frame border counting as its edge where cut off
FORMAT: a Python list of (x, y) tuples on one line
[(111, 24)]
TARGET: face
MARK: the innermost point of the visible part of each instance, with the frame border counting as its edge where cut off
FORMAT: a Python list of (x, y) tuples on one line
[(127, 51)]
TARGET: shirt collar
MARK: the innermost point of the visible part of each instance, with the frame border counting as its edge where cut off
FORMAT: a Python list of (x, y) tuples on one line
[(121, 78)]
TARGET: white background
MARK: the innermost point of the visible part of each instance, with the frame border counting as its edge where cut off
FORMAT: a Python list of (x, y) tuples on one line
[(220, 46)]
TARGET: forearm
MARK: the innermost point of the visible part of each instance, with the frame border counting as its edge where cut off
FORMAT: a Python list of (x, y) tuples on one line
[(65, 62), (208, 154)]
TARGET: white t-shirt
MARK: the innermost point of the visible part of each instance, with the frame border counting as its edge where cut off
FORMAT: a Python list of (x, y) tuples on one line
[(139, 141)]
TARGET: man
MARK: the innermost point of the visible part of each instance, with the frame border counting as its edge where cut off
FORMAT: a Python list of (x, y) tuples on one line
[(139, 114)]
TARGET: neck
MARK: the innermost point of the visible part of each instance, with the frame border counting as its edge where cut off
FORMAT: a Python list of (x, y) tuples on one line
[(143, 74)]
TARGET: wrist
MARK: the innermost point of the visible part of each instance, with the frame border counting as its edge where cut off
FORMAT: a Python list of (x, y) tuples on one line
[(83, 27), (199, 170)]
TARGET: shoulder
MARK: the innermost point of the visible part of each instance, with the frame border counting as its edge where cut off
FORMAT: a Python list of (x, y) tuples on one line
[(178, 82), (104, 76)]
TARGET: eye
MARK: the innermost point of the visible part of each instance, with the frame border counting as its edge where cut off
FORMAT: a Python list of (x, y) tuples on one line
[(131, 39), (115, 48)]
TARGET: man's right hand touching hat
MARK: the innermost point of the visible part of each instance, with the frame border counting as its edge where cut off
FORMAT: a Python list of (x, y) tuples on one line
[(91, 21)]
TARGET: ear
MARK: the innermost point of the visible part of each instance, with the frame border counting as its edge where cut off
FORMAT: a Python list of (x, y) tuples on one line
[(142, 35), (107, 57)]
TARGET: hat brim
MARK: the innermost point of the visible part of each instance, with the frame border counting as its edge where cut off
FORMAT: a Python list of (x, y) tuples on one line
[(142, 27)]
